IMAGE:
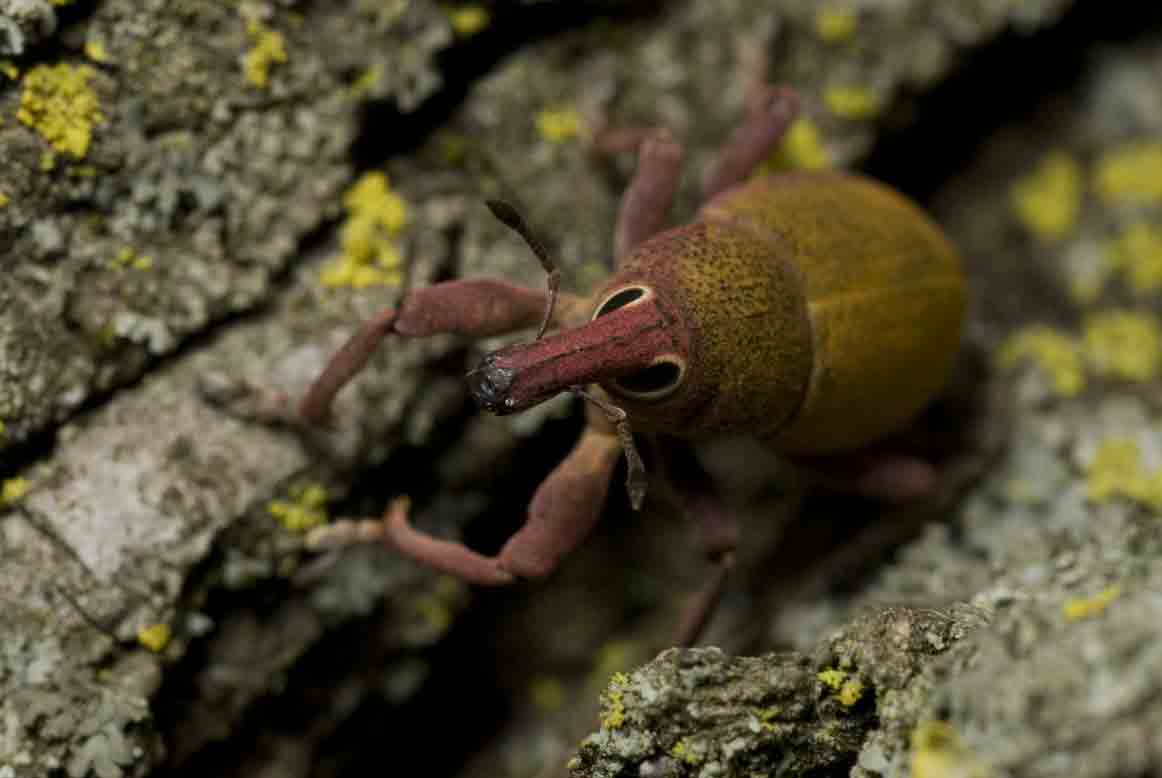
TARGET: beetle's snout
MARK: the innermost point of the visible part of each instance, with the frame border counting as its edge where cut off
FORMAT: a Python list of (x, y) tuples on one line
[(489, 385)]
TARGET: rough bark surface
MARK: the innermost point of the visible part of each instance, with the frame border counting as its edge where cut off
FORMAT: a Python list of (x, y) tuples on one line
[(152, 608)]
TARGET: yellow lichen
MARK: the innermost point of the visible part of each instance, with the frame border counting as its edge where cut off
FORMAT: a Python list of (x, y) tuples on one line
[(12, 490), (561, 124), (1117, 471), (835, 25), (128, 258), (1056, 355), (9, 70), (1047, 201), (938, 752), (467, 20), (155, 637), (305, 510), (614, 658), (612, 705), (1124, 344), (58, 102), (1078, 608), (850, 693), (852, 102), (686, 752), (547, 694), (96, 51), (768, 718), (832, 678), (367, 81), (267, 49), (844, 688), (375, 217), (4, 200), (1130, 173), (1137, 254), (801, 149)]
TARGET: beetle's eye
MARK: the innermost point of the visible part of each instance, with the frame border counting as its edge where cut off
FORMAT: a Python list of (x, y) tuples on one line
[(653, 383), (620, 299)]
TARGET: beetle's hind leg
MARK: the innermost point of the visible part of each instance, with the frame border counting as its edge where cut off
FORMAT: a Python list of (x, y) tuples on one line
[(769, 112)]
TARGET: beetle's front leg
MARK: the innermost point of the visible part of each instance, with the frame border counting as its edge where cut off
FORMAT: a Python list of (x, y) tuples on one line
[(561, 515), (477, 307)]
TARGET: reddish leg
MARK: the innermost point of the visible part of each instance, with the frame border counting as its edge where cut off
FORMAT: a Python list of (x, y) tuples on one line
[(769, 111), (478, 307), (650, 193), (716, 533), (877, 473), (561, 515)]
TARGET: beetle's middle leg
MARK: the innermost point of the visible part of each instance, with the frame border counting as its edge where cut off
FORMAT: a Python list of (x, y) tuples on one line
[(769, 112)]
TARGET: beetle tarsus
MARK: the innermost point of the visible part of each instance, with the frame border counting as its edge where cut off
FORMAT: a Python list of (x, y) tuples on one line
[(396, 532)]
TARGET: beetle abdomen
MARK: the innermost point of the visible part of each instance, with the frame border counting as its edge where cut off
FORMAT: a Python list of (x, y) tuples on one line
[(885, 297)]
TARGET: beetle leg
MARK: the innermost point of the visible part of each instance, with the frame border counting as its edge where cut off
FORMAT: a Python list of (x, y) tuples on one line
[(561, 515), (769, 111), (647, 199), (874, 473), (567, 504), (478, 307), (394, 531), (715, 528)]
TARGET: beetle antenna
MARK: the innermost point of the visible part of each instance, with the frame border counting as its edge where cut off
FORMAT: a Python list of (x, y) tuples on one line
[(635, 479), (509, 217)]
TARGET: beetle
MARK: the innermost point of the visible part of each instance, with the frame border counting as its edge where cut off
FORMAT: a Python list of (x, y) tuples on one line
[(818, 311)]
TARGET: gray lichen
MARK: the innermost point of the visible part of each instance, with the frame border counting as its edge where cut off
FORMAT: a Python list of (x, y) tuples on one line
[(210, 159), (190, 206), (701, 713), (23, 24)]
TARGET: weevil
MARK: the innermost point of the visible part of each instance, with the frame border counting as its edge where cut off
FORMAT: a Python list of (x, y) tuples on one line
[(818, 311)]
